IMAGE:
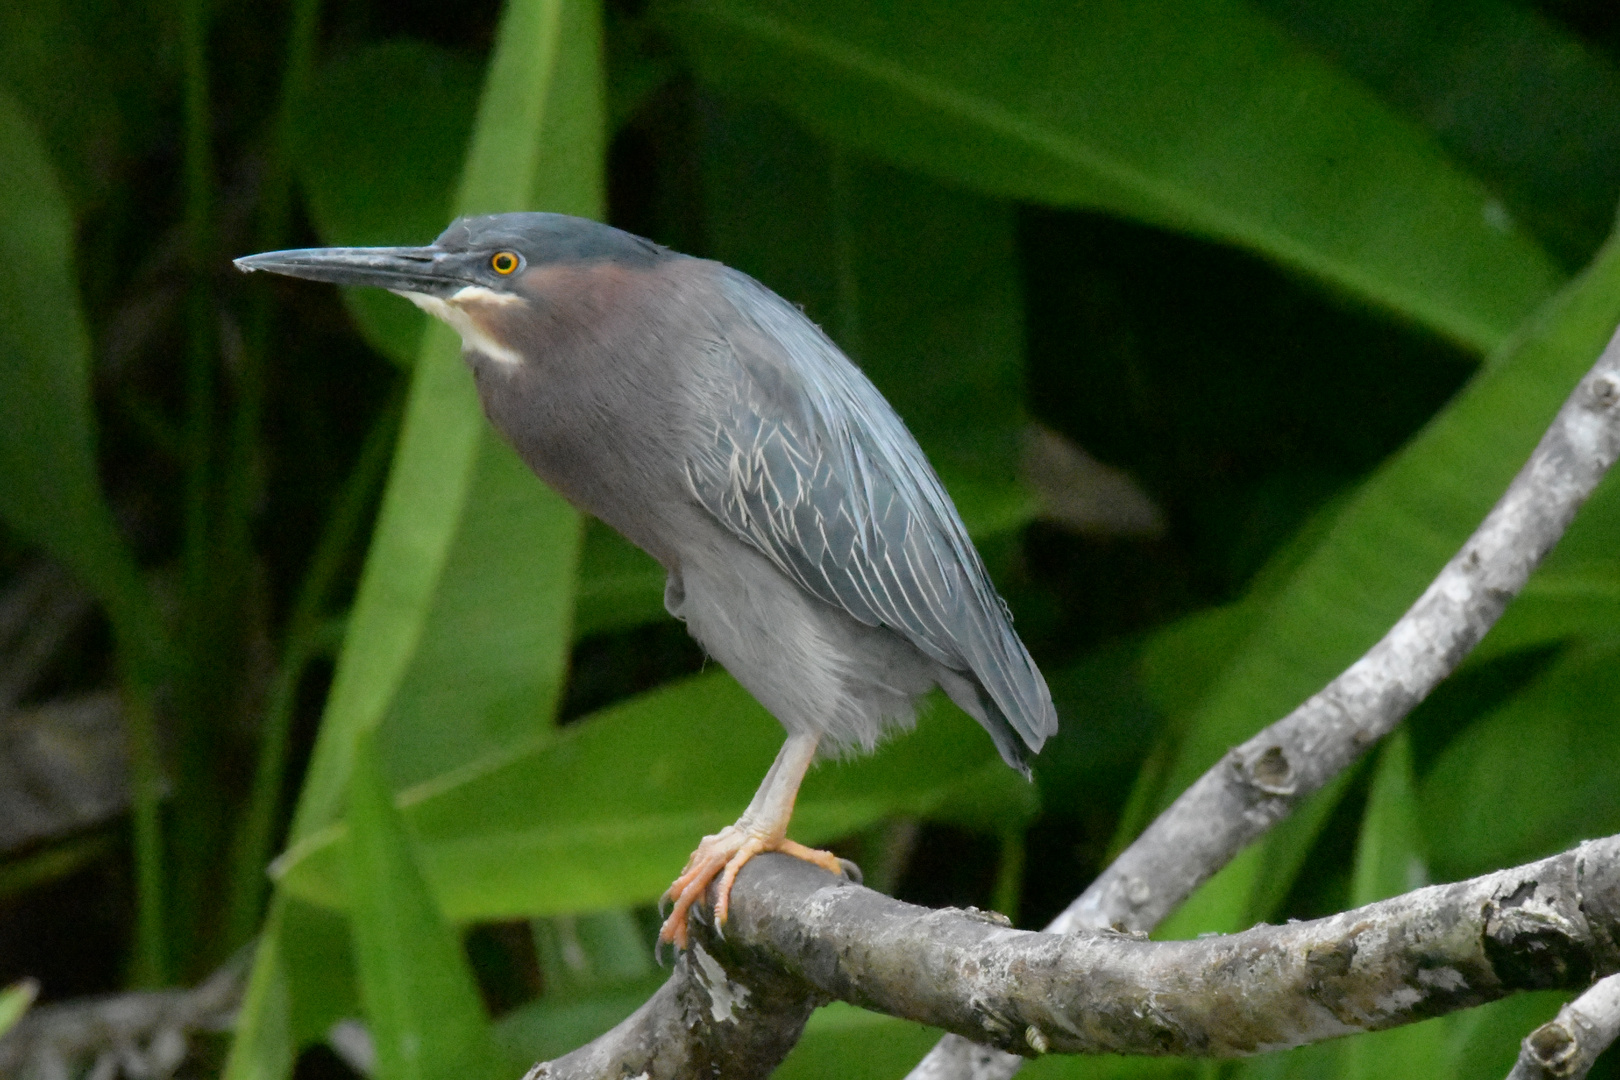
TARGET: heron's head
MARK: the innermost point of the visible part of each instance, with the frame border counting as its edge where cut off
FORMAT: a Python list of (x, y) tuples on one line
[(482, 275)]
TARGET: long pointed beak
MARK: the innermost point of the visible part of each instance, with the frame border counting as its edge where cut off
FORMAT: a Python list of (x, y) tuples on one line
[(427, 270)]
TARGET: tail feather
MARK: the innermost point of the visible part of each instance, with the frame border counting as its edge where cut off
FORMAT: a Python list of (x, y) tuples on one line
[(1015, 746)]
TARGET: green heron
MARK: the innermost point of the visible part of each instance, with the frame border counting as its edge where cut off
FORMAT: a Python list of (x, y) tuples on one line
[(809, 547)]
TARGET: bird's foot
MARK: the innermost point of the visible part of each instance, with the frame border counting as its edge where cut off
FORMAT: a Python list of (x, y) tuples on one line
[(722, 855)]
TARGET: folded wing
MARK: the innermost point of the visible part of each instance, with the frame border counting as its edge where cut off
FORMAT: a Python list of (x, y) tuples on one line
[(810, 465)]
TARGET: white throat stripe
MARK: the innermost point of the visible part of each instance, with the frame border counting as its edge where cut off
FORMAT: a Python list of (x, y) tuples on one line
[(451, 312)]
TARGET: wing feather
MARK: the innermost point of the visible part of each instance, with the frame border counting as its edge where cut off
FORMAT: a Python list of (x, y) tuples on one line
[(805, 461)]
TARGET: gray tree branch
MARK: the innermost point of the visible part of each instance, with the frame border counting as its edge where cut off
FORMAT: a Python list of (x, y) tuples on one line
[(798, 937), (1088, 985), (1261, 782), (1565, 1047), (144, 1035)]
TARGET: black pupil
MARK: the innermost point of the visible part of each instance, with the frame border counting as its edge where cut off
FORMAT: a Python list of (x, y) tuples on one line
[(504, 263)]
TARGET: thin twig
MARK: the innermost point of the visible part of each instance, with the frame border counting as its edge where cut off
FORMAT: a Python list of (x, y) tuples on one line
[(1565, 1047)]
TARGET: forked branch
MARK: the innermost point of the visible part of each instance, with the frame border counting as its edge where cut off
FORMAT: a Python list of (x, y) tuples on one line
[(734, 1006)]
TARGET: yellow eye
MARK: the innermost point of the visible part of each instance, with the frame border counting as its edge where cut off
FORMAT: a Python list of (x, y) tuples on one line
[(504, 262)]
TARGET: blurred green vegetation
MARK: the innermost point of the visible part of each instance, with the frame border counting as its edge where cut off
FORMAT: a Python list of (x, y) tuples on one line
[(1315, 273)]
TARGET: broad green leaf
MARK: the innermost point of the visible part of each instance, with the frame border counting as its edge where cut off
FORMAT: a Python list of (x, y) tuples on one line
[(620, 586), (1576, 593), (490, 665), (302, 984), (51, 492), (589, 954), (489, 668), (1286, 847), (604, 813), (1389, 851), (421, 1003), (377, 145), (844, 1041), (317, 948), (1389, 862), (1486, 1040), (545, 1028), (1395, 533), (1180, 664), (571, 155), (1536, 775), (840, 1040), (1113, 1067), (1512, 94), (433, 469), (262, 1044), (14, 1002), (1221, 904), (1167, 112), (84, 69), (421, 510), (1107, 726)]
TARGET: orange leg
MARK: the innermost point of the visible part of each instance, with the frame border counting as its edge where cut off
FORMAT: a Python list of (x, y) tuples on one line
[(763, 827)]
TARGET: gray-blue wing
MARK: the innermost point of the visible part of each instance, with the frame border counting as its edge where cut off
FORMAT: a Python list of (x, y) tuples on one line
[(808, 463)]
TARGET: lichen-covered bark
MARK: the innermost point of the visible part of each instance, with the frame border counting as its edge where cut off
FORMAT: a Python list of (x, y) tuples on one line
[(798, 936), (1261, 782), (721, 1014)]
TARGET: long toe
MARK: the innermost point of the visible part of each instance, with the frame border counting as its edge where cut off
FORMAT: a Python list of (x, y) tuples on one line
[(723, 855)]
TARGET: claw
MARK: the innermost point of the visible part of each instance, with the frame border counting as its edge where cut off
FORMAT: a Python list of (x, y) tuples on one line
[(723, 855)]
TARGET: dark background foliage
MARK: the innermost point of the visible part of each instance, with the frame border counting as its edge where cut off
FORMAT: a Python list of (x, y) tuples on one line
[(1307, 276)]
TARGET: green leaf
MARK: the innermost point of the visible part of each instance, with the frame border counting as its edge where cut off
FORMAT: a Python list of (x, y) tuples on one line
[(844, 1041), (1576, 593), (1389, 851), (586, 955), (1534, 776), (1487, 1039), (421, 1002), (1514, 95), (85, 71), (262, 1045), (604, 814), (434, 466), (421, 511), (377, 144), (1401, 526), (570, 174), (14, 1002), (545, 1028), (52, 494), (620, 586), (1389, 862), (489, 669), (302, 984), (1165, 112)]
